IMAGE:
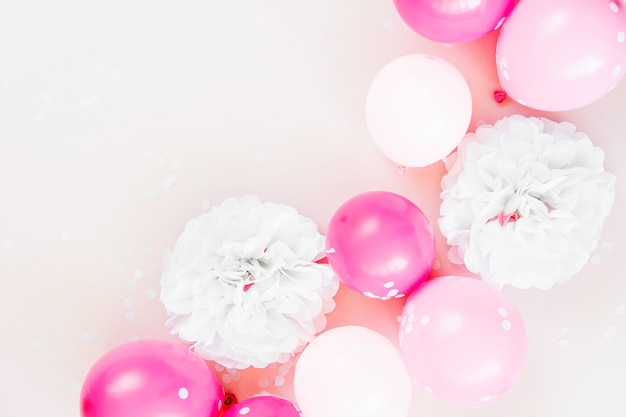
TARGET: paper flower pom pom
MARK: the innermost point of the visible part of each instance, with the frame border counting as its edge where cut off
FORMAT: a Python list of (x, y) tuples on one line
[(524, 201), (243, 285)]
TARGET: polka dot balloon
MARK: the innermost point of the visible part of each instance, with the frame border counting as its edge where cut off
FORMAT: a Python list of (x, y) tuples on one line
[(263, 406), (462, 340)]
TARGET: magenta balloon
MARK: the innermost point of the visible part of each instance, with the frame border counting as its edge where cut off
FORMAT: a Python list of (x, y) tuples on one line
[(560, 55), (453, 21), (263, 406), (380, 244), (151, 378), (462, 340)]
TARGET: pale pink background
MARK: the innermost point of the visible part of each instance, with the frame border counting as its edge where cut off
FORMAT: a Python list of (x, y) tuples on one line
[(120, 121)]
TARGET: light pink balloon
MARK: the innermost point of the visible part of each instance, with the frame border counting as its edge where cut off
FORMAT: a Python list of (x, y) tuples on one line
[(380, 244), (418, 109), (352, 371), (562, 54), (263, 406), (151, 378), (463, 341), (453, 21)]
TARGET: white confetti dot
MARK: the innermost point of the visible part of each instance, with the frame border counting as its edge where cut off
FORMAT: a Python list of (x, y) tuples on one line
[(162, 162), (595, 260), (264, 383), (564, 343), (409, 328), (389, 284), (399, 295), (388, 25), (607, 245), (87, 337), (485, 398), (260, 157), (506, 325), (620, 309), (39, 118), (36, 343), (183, 393), (244, 410), (138, 274), (610, 331), (259, 19), (283, 370), (502, 311), (617, 70), (219, 368), (520, 101), (428, 389), (75, 387), (128, 303), (9, 244), (116, 75), (411, 317), (133, 338), (505, 74), (172, 178), (130, 316), (128, 255), (227, 379), (436, 264), (621, 37), (369, 294), (564, 329), (330, 250), (425, 319), (152, 294), (65, 236), (614, 7), (147, 250), (393, 292), (279, 381)]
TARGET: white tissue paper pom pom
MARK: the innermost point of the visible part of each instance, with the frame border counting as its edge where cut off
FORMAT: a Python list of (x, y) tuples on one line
[(524, 201), (242, 283)]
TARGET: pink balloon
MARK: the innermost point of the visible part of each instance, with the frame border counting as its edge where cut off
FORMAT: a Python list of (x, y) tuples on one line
[(453, 21), (352, 371), (380, 244), (462, 340), (418, 109), (151, 378), (574, 54), (263, 406)]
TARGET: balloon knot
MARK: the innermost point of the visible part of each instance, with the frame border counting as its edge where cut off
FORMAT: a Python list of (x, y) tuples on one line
[(499, 96)]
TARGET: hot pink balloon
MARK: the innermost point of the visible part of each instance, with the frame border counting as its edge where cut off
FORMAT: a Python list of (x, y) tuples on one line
[(151, 378), (352, 371), (380, 244), (418, 109), (462, 340), (263, 406), (562, 54), (453, 21)]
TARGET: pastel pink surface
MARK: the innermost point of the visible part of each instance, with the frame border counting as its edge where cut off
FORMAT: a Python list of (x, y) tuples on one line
[(418, 109), (151, 378), (453, 21), (352, 371), (463, 341), (263, 406), (574, 54), (381, 244)]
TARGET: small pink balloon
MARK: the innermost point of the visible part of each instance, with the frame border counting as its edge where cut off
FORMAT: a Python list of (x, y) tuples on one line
[(453, 21), (418, 109), (151, 378), (263, 406), (352, 371), (462, 340), (380, 244), (574, 54)]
